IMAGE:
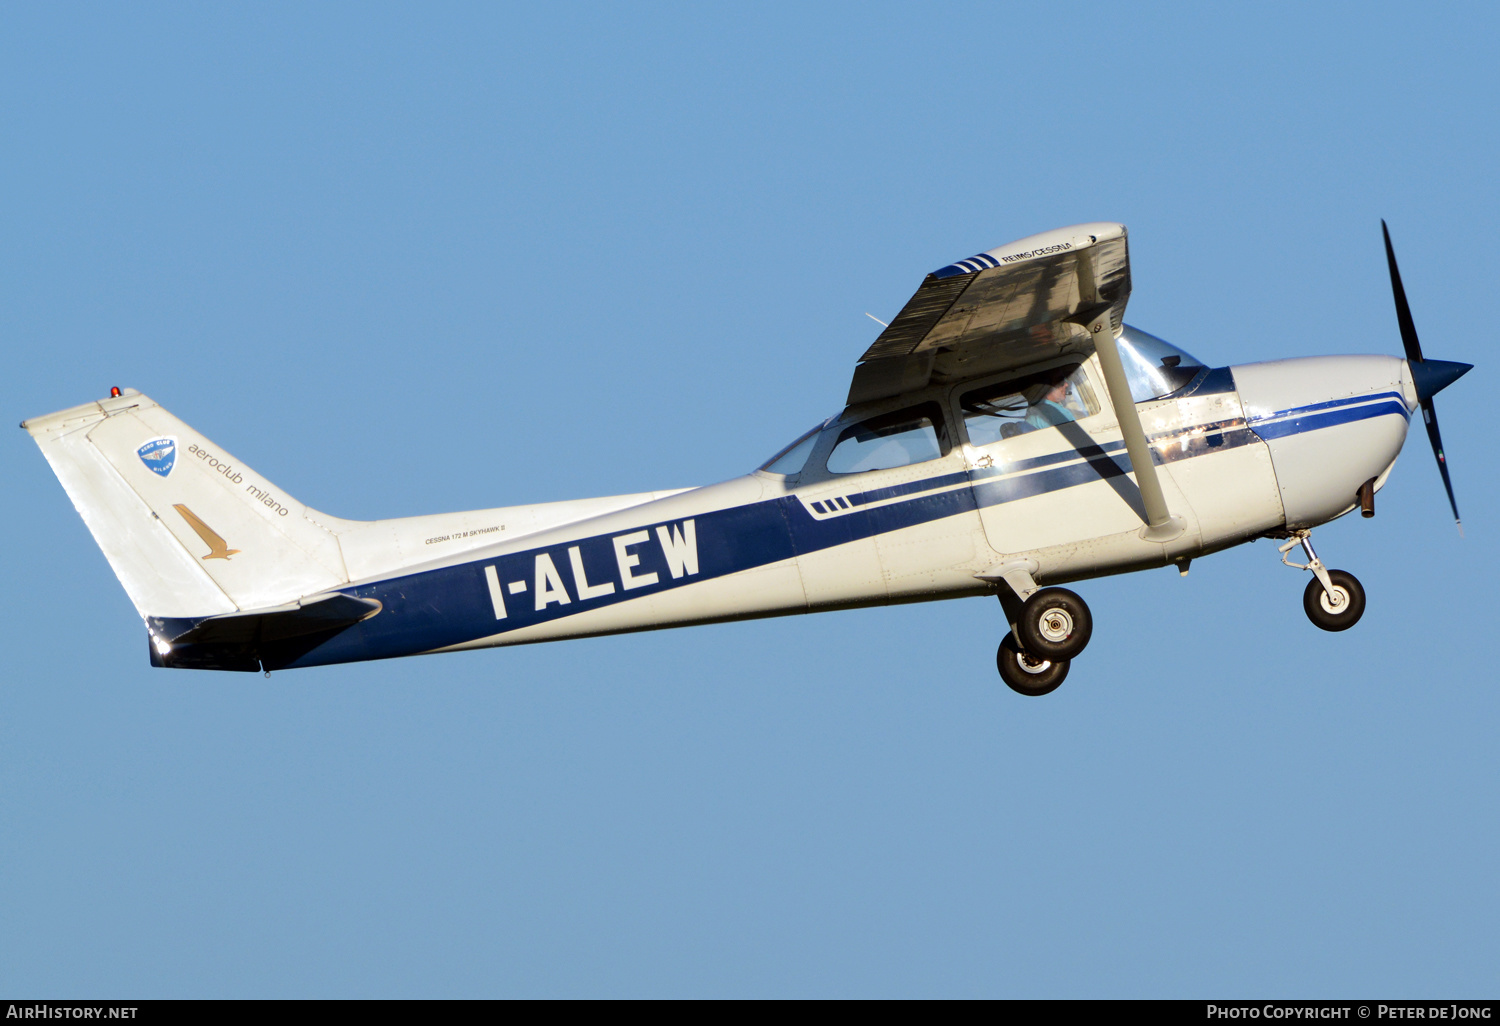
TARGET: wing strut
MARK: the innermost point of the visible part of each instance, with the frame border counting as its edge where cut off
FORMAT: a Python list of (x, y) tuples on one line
[(1161, 525)]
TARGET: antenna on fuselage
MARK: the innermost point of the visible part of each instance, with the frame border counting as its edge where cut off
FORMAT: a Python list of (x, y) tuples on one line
[(877, 320)]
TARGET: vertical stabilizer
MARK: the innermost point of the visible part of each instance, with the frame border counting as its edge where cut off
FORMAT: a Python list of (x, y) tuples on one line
[(189, 530)]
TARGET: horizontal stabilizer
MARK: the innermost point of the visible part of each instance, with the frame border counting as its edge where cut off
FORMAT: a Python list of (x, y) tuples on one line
[(258, 639)]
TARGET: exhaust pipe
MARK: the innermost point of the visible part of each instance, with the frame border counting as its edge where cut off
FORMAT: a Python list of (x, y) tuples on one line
[(1367, 499)]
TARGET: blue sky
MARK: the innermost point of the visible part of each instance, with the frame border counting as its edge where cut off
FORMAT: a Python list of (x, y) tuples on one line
[(409, 259)]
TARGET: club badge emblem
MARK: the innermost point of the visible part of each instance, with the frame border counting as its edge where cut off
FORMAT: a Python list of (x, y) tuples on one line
[(159, 455)]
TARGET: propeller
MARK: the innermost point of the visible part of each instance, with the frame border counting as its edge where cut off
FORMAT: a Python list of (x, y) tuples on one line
[(1430, 376)]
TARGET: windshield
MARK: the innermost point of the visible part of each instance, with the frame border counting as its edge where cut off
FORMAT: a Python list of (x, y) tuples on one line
[(1153, 366)]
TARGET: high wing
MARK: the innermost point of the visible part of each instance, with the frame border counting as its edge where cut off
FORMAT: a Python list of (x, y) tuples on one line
[(1020, 304)]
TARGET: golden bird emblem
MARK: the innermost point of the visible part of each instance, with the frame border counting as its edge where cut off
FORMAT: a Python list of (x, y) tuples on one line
[(218, 548)]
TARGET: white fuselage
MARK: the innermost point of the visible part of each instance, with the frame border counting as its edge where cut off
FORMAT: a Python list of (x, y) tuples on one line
[(1243, 452)]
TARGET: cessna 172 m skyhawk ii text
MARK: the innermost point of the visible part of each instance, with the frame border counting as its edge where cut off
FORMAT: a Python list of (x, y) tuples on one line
[(1004, 434)]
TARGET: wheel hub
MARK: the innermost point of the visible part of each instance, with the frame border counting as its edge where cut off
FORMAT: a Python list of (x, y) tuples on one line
[(1056, 625), (1031, 665)]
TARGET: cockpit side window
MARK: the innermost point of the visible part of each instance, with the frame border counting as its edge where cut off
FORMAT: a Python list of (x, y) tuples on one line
[(913, 435), (1014, 407)]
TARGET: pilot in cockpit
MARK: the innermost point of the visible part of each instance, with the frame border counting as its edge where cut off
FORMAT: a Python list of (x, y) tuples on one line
[(1057, 405)]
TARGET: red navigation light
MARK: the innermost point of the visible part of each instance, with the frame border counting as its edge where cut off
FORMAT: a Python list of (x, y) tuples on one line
[(114, 393)]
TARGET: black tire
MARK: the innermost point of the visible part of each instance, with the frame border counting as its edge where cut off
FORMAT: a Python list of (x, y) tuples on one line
[(1055, 624), (1323, 613), (1027, 676)]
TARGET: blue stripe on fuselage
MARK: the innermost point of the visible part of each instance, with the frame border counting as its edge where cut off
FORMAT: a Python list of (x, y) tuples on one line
[(1322, 415), (909, 488)]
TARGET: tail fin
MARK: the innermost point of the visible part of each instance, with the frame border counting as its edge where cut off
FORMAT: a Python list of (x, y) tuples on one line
[(189, 530)]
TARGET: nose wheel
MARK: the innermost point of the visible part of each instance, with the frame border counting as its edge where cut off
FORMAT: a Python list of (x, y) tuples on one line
[(1334, 600), (1337, 609)]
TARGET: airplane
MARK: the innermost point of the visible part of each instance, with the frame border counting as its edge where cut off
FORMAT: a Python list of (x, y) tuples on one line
[(1007, 433)]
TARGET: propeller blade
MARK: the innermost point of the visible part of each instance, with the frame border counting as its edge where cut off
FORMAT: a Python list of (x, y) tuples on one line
[(1403, 309), (1429, 417), (1430, 378)]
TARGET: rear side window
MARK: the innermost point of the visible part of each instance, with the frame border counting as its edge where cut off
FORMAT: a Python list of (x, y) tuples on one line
[(891, 440)]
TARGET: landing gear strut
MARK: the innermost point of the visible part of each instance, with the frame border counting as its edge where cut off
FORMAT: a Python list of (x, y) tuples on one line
[(1334, 600)]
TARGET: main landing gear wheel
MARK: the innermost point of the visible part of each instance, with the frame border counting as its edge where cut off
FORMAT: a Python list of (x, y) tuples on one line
[(1025, 674), (1055, 624), (1339, 611)]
